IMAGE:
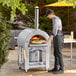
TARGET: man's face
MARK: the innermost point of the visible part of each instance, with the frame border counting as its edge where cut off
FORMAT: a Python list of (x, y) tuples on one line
[(50, 16)]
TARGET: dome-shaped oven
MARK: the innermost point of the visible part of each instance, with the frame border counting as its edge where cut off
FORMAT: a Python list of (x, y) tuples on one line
[(31, 48), (28, 36)]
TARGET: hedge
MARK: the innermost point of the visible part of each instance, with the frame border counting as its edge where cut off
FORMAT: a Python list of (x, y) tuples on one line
[(5, 37)]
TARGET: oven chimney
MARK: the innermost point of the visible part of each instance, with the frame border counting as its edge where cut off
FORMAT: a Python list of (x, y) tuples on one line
[(36, 17)]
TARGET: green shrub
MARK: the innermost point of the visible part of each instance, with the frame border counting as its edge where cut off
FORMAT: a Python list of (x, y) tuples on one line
[(5, 37)]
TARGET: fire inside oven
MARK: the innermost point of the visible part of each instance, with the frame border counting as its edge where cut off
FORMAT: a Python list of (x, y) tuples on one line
[(37, 39)]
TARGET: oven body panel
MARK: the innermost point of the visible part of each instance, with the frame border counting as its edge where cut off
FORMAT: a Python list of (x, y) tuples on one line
[(31, 55)]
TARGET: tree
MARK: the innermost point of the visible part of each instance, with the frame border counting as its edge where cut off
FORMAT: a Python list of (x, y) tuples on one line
[(14, 5)]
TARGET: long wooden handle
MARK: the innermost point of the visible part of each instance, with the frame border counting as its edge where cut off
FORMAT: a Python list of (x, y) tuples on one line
[(25, 55)]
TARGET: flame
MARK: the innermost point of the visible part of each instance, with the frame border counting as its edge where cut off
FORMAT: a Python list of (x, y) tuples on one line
[(35, 37)]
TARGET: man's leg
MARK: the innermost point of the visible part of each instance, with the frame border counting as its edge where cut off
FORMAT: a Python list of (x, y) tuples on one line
[(60, 57), (56, 61), (55, 52)]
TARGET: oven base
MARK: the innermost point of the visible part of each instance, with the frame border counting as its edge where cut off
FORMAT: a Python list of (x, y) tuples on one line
[(32, 58)]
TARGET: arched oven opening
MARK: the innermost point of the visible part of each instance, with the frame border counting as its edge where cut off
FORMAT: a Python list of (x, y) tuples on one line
[(37, 39)]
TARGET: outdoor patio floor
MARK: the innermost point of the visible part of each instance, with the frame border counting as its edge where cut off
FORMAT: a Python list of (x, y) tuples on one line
[(10, 68)]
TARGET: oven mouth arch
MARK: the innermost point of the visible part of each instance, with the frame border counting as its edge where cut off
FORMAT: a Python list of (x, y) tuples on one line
[(37, 39), (36, 32)]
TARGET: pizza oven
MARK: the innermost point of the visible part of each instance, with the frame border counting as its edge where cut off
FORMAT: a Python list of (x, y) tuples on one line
[(32, 52)]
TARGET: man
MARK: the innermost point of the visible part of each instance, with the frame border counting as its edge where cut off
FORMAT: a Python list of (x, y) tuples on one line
[(57, 40)]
